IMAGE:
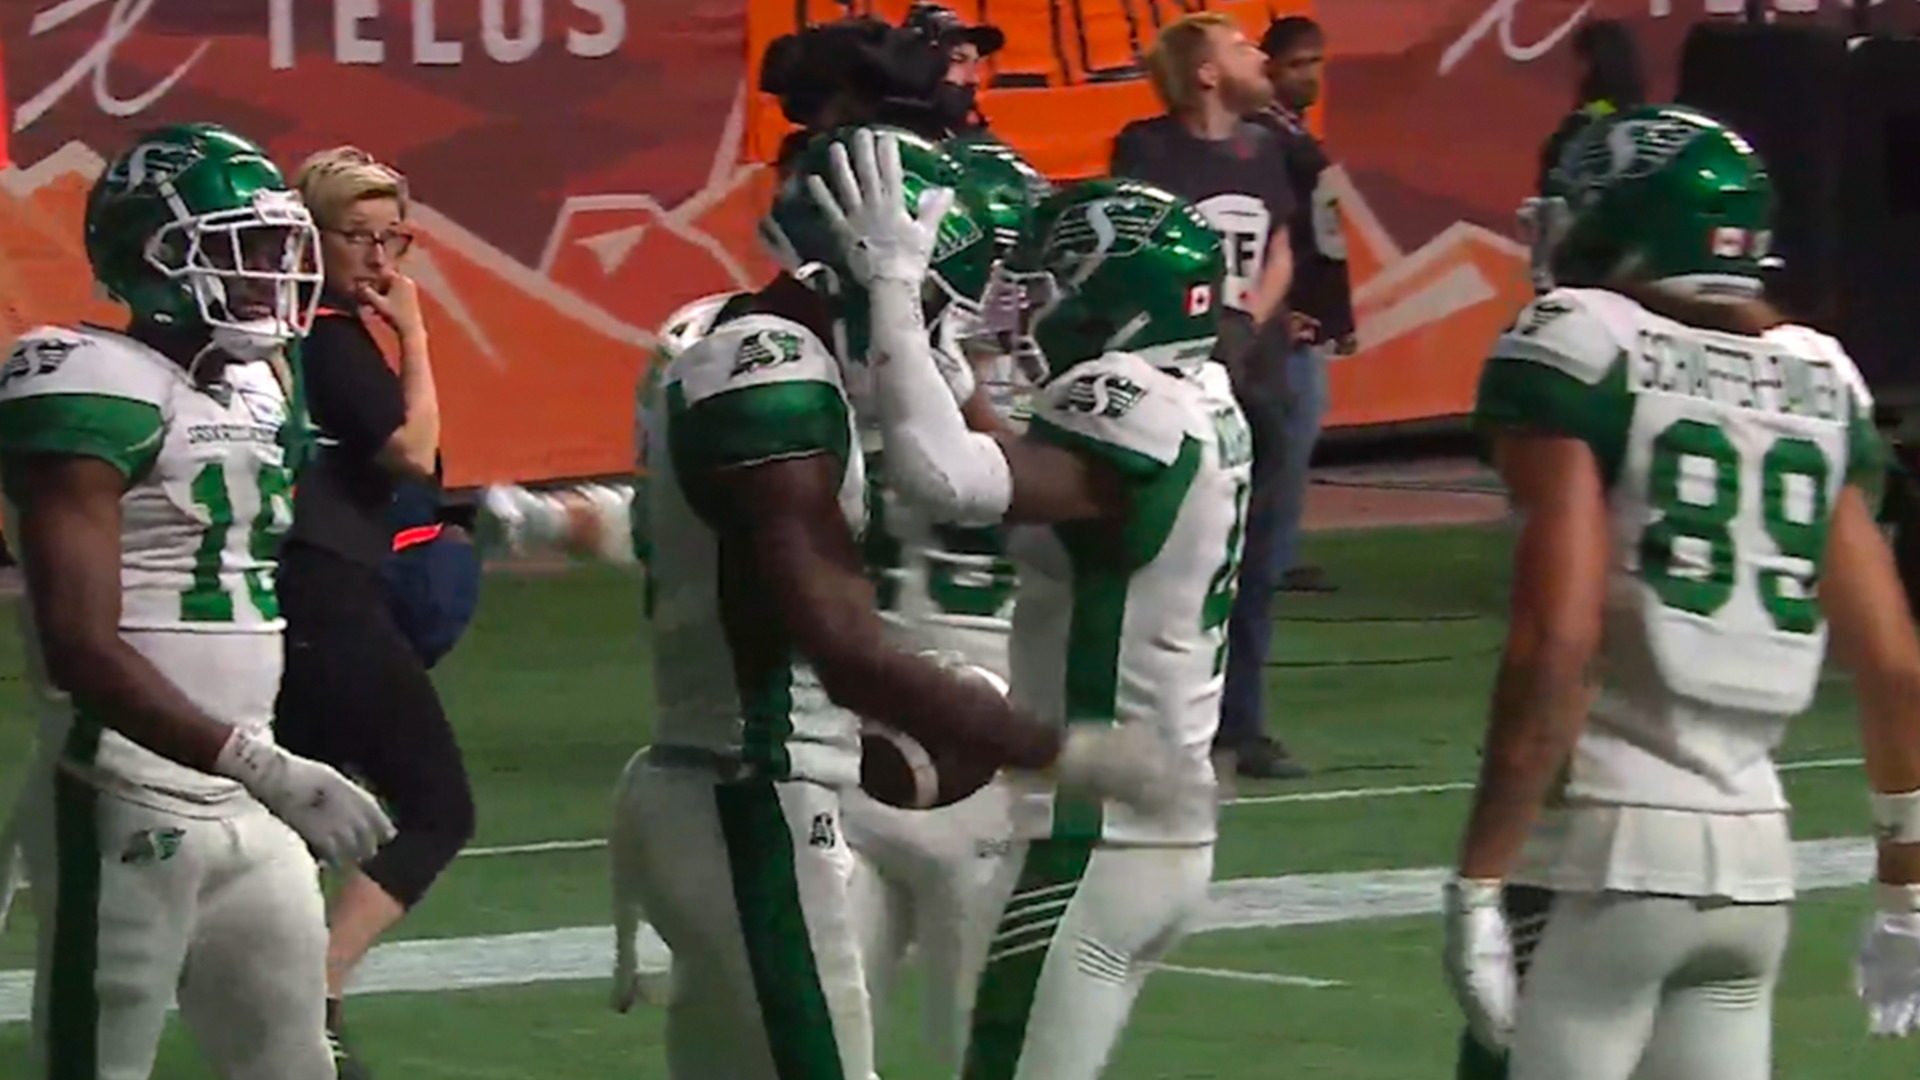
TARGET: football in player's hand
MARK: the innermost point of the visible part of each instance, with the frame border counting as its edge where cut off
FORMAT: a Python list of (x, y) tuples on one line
[(899, 770)]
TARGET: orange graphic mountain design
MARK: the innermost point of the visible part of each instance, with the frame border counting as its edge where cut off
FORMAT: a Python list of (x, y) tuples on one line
[(536, 381)]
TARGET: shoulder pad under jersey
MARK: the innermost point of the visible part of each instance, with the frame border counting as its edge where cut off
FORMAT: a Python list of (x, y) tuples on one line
[(751, 351), (1579, 332), (58, 360), (1807, 341), (759, 388), (690, 323), (90, 393), (1119, 407)]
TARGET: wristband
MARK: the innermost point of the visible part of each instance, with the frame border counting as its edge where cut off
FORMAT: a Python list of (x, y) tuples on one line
[(1896, 818), (1475, 892), (245, 758)]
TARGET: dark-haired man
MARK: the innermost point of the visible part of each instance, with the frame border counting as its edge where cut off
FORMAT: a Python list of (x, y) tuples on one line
[(1321, 298), (967, 47)]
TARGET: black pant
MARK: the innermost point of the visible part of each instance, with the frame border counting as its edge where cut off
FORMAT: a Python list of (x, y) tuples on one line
[(355, 696)]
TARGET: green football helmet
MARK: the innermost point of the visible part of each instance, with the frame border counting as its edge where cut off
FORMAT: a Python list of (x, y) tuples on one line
[(1661, 193), (1010, 187), (1109, 265), (194, 226), (805, 245)]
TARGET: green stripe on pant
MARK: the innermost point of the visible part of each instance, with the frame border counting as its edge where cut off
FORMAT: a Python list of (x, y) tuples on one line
[(1049, 877), (773, 925), (73, 1031)]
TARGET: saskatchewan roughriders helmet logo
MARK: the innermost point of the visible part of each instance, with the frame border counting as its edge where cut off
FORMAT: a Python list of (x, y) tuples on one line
[(1112, 228), (958, 231), (152, 164), (1629, 150)]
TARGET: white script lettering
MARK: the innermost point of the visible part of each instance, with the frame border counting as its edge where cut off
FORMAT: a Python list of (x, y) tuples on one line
[(121, 23)]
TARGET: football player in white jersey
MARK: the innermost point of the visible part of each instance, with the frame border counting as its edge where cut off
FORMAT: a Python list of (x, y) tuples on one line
[(1131, 481), (1695, 477), (768, 650), (923, 878), (146, 477)]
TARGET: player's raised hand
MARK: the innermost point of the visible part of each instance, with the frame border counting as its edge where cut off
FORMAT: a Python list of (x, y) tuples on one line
[(1128, 763), (338, 818), (1479, 960), (1887, 973), (864, 199)]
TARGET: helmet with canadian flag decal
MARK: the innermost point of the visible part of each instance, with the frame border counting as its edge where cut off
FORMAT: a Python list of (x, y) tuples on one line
[(1662, 193), (1109, 266)]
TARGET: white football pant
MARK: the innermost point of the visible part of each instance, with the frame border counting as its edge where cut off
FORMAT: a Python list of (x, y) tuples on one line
[(642, 963), (138, 907), (1078, 931), (747, 883), (1627, 987), (924, 880)]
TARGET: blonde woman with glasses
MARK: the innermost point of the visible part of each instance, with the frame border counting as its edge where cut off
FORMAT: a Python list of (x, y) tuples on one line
[(356, 693)]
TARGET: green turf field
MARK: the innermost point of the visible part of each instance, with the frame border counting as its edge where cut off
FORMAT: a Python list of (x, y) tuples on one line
[(1380, 687)]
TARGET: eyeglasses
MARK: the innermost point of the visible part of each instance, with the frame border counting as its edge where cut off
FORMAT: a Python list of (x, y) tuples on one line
[(394, 241)]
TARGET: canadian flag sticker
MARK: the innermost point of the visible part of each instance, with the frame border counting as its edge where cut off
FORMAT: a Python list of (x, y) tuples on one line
[(1199, 299)]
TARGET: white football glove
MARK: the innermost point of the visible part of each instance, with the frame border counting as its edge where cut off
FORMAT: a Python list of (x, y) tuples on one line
[(338, 818), (1128, 763), (1887, 974), (1479, 960), (864, 199)]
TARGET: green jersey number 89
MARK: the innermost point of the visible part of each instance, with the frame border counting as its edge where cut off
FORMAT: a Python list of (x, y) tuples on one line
[(1786, 590)]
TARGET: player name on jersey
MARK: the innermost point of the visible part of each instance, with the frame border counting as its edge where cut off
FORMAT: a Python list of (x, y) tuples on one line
[(1743, 373), (205, 434)]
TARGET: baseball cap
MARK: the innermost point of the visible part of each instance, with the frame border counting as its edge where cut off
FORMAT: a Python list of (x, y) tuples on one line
[(942, 25)]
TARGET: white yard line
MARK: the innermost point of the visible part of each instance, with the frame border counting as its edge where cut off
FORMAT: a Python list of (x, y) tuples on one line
[(583, 953), (1271, 978), (1386, 791)]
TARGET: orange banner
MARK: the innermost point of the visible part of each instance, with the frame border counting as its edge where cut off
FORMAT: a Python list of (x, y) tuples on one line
[(584, 167)]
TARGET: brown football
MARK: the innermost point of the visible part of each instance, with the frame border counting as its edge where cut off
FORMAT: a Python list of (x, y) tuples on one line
[(900, 770)]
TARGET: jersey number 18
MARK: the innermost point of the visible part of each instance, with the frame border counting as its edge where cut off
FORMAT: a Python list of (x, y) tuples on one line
[(207, 599)]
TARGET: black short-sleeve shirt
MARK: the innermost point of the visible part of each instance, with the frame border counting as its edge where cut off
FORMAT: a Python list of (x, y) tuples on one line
[(343, 495), (1239, 184)]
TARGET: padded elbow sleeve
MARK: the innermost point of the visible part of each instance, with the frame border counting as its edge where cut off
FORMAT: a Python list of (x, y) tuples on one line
[(955, 474), (968, 483)]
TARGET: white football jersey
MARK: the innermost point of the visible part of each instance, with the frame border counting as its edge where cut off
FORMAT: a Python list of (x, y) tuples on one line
[(940, 586), (1126, 621), (755, 389), (1724, 456), (208, 497)]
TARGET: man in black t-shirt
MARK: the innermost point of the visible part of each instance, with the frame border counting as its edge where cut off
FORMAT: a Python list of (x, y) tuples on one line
[(1321, 297), (1210, 76)]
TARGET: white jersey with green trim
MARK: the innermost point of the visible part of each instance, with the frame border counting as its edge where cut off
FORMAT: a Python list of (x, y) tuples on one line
[(688, 324), (208, 497), (1724, 456), (940, 586), (754, 390), (1126, 621)]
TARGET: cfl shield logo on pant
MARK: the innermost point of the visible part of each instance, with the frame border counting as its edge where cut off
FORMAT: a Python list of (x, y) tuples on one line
[(152, 846)]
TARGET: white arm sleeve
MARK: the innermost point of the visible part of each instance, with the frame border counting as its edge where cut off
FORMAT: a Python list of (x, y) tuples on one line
[(955, 474)]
